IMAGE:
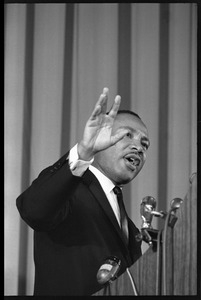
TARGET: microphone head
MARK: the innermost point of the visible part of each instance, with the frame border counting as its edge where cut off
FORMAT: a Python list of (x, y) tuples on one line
[(149, 200), (148, 204), (175, 203), (108, 270)]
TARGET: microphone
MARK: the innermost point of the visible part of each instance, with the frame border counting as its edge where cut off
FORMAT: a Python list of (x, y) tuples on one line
[(147, 207), (108, 270), (175, 204)]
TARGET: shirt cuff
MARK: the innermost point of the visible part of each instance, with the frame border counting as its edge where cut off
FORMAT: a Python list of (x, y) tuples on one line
[(78, 166)]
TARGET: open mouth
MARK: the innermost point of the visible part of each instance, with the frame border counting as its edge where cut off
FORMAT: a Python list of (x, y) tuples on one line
[(132, 161)]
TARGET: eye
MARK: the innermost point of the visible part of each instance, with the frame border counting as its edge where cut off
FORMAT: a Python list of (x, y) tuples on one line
[(129, 135), (145, 145)]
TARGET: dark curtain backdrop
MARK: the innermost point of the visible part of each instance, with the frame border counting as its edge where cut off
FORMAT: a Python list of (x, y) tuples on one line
[(58, 58)]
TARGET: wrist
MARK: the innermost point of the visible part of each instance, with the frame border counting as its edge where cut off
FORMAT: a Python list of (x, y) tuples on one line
[(84, 152)]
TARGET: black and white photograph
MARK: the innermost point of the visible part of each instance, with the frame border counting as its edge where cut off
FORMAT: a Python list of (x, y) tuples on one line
[(100, 149)]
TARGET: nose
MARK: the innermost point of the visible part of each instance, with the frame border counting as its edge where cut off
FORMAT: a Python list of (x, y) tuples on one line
[(138, 151), (136, 147)]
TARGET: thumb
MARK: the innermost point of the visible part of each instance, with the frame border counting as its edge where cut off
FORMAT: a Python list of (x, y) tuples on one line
[(120, 134)]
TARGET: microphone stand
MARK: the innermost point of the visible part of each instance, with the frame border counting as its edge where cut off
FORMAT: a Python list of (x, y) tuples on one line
[(158, 239), (170, 221)]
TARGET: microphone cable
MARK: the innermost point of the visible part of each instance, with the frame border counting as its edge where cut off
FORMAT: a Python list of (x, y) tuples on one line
[(132, 283)]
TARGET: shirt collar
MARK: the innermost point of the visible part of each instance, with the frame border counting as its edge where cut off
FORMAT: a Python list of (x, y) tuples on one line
[(106, 184)]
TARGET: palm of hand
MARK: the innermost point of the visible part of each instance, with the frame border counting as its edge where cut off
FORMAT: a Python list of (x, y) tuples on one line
[(98, 132)]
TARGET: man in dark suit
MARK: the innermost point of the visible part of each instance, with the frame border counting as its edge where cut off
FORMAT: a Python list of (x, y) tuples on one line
[(73, 208)]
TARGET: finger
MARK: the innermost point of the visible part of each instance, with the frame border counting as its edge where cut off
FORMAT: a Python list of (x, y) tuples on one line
[(95, 112), (104, 101), (115, 107), (101, 105), (120, 134), (105, 90)]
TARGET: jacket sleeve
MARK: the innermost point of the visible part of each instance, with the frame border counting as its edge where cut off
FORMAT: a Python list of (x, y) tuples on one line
[(46, 202)]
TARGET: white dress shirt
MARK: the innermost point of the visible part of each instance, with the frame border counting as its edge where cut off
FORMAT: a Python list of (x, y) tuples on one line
[(78, 167)]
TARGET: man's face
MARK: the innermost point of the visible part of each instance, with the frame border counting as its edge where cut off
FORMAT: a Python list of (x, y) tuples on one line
[(124, 160)]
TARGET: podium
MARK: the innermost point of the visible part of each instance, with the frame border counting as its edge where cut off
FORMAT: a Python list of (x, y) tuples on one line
[(168, 267)]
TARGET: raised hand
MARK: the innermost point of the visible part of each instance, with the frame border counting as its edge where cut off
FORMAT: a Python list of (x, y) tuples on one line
[(98, 133)]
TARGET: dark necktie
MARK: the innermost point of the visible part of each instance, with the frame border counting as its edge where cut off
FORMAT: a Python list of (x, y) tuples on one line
[(123, 215)]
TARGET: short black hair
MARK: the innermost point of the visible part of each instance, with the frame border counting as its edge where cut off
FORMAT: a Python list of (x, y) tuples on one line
[(126, 111)]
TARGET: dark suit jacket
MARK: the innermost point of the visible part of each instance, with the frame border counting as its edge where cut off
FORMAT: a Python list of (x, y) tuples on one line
[(75, 230)]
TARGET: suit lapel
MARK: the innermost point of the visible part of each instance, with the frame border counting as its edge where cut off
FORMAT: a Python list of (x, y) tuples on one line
[(133, 243), (90, 179)]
